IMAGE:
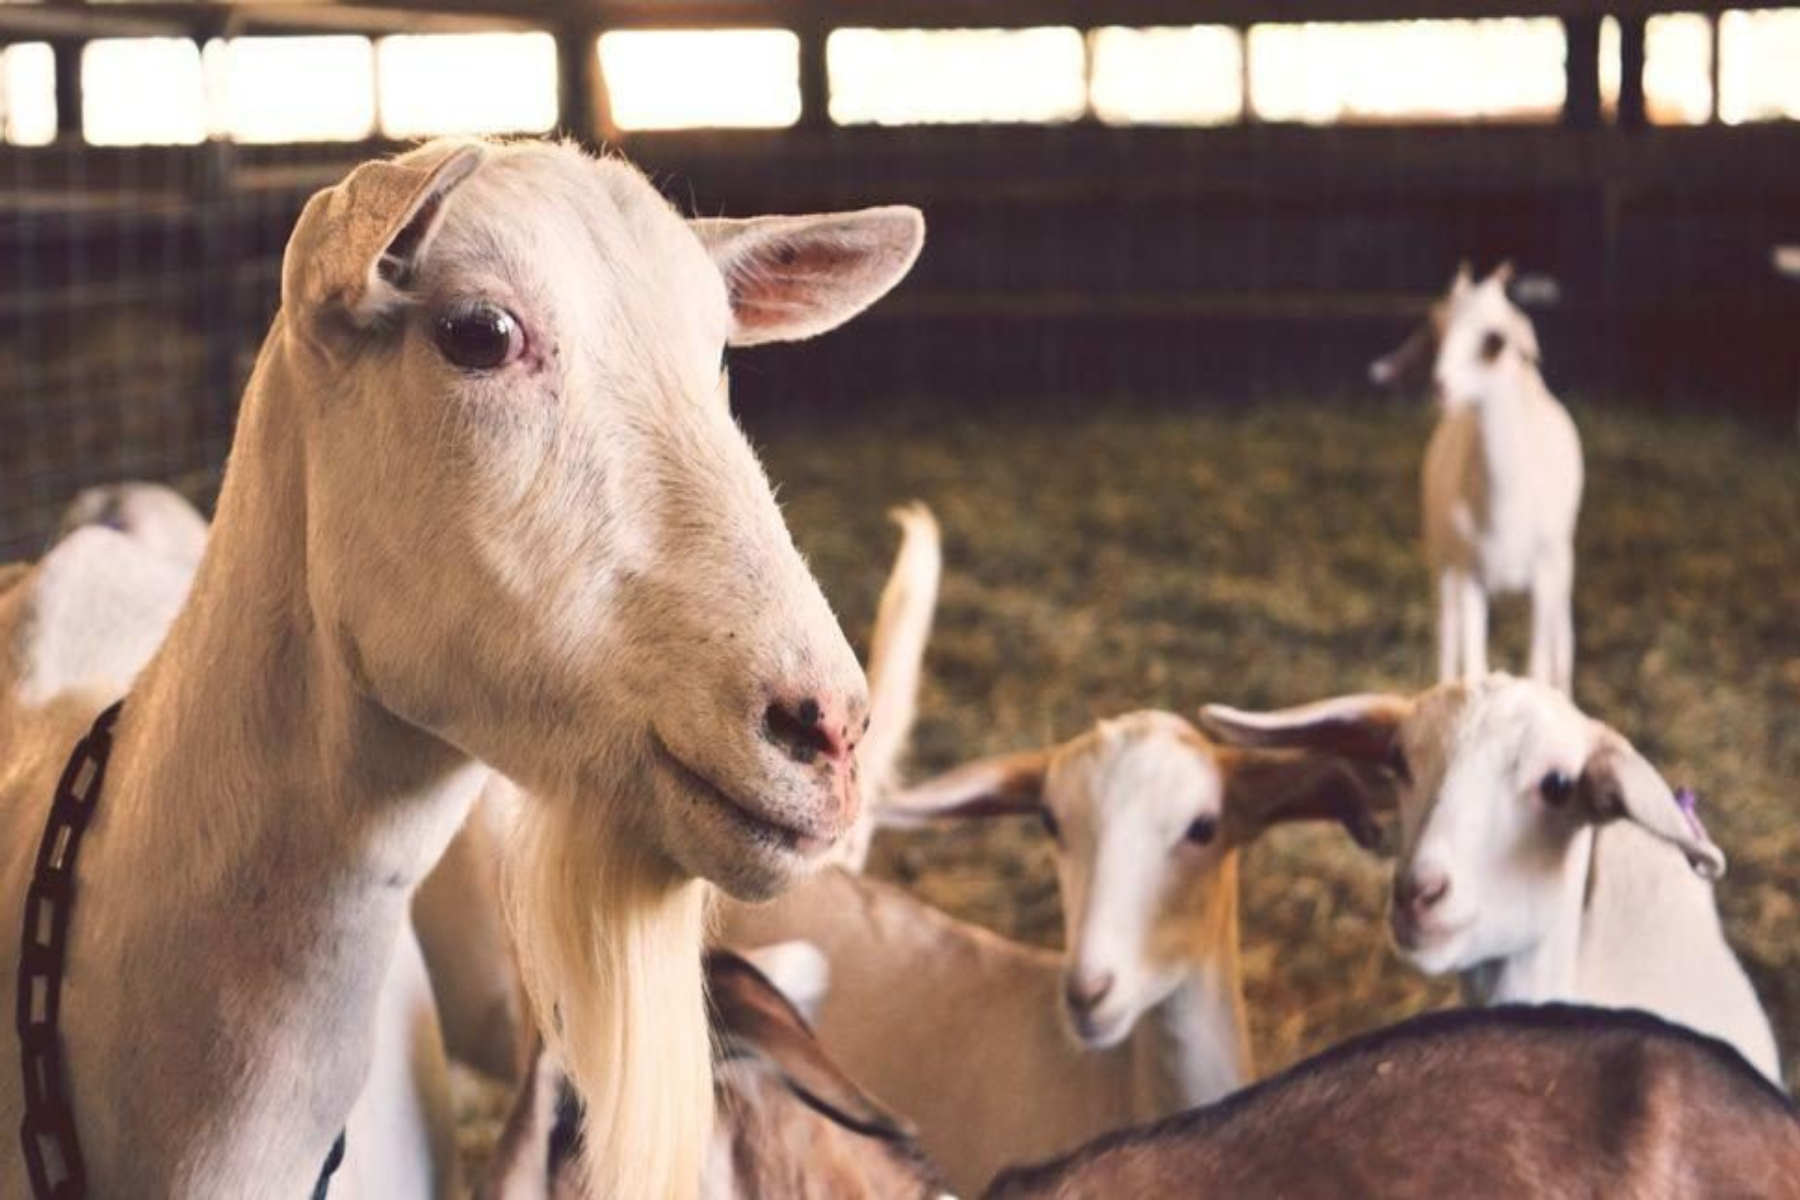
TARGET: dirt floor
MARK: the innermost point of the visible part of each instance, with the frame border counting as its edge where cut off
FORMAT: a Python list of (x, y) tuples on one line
[(1098, 562)]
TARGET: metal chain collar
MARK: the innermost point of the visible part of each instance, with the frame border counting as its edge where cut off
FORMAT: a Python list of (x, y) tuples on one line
[(52, 1150)]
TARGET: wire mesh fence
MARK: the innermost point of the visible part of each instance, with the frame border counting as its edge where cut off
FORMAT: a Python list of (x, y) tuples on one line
[(1078, 261)]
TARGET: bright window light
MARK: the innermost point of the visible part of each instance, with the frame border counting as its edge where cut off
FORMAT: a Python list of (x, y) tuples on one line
[(138, 91), (28, 94), (1678, 69), (916, 76), (661, 79), (467, 83), (1759, 65), (1175, 76), (300, 89), (1407, 70)]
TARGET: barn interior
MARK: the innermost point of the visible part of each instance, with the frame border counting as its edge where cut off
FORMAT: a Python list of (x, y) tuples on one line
[(1130, 373)]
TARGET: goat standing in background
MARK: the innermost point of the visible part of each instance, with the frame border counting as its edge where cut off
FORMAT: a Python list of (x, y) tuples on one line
[(1502, 484)]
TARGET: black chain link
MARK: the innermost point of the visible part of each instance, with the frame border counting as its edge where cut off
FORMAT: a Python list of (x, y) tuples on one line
[(52, 1151)]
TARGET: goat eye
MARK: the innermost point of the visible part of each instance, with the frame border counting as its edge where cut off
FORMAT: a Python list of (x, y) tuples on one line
[(1492, 343), (1202, 830), (478, 336), (1050, 825), (1556, 788)]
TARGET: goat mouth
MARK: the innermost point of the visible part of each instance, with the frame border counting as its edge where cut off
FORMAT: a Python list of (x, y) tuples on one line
[(761, 828), (1414, 937)]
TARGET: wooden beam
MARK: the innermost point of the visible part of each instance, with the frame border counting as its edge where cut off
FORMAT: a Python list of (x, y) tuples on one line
[(1632, 114), (1581, 93)]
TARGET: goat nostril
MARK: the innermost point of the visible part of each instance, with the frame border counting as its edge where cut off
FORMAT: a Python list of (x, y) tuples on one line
[(1420, 894), (1433, 891), (1084, 994), (799, 731)]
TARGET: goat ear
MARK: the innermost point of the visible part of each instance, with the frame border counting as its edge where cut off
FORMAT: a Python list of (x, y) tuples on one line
[(1359, 727), (1618, 782), (753, 1018), (791, 278), (1005, 785), (357, 246), (1503, 274), (1463, 280), (1268, 787), (798, 969)]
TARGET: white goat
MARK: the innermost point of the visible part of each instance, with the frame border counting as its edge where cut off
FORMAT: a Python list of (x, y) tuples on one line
[(89, 616), (1006, 1053), (1502, 484), (457, 909), (1535, 853), (1540, 1101), (157, 517), (486, 500)]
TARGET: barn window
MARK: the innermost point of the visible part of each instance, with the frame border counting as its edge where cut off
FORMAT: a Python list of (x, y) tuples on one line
[(663, 79), (297, 89), (1169, 76), (28, 94), (1408, 70), (137, 91), (1758, 76), (1677, 68), (467, 83), (956, 76)]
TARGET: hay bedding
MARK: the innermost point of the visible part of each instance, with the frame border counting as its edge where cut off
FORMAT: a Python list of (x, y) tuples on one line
[(1122, 558), (1101, 561)]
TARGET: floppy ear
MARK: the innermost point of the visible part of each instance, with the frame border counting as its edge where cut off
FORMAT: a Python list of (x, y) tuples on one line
[(791, 278), (799, 971), (753, 1019), (1267, 787), (1005, 785), (1618, 782), (357, 246), (1360, 727)]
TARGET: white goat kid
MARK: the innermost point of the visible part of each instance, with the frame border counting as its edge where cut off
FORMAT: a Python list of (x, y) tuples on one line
[(1005, 1053), (1536, 853), (486, 500), (1502, 485)]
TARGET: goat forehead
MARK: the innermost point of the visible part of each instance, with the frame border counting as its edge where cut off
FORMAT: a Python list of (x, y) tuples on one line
[(1470, 741), (550, 218), (1147, 763)]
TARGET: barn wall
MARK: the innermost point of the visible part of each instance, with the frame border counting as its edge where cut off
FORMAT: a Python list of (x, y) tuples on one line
[(1079, 262)]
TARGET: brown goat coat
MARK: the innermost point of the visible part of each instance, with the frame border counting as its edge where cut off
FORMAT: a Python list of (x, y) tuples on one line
[(1557, 1101)]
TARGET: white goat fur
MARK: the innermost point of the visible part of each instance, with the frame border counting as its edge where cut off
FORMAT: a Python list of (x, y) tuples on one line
[(1501, 484), (155, 516), (89, 616), (964, 1032), (458, 910), (1587, 898), (414, 566)]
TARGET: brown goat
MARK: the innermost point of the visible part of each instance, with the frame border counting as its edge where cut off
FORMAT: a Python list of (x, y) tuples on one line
[(1555, 1101), (791, 1124)]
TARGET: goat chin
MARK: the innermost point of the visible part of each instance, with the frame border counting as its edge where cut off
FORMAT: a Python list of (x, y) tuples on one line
[(609, 943)]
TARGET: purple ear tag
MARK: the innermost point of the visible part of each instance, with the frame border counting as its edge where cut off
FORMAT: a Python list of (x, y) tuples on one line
[(1688, 801)]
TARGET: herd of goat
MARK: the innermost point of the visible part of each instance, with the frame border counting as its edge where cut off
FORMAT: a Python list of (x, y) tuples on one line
[(495, 716)]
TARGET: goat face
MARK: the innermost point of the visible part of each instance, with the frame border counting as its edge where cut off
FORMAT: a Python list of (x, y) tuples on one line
[(535, 528), (1484, 341), (1137, 809), (1491, 846)]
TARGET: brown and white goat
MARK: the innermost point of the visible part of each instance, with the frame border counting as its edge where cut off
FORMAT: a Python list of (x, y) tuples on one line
[(1497, 1103)]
